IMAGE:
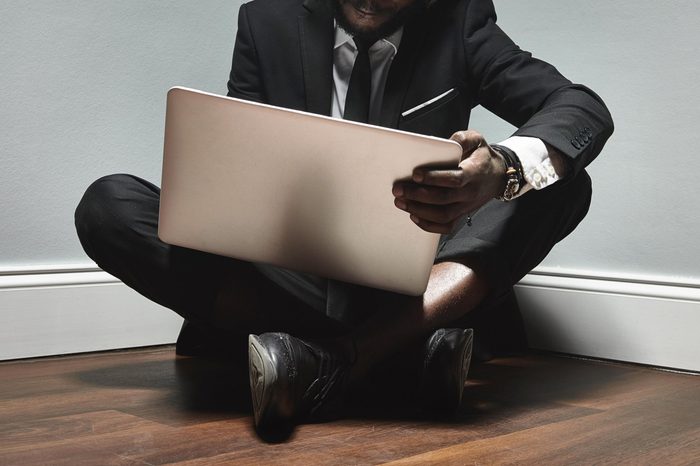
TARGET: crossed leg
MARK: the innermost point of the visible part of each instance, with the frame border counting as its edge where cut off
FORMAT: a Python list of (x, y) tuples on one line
[(117, 222)]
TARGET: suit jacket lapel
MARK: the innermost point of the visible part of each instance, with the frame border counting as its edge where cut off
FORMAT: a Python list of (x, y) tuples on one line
[(400, 74), (316, 33)]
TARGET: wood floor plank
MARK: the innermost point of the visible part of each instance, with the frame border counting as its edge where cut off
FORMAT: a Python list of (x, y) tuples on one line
[(58, 365), (372, 441), (150, 407), (74, 402), (28, 434), (159, 387), (68, 439), (657, 431)]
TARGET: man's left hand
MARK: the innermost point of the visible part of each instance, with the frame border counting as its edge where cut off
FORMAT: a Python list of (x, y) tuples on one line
[(438, 198)]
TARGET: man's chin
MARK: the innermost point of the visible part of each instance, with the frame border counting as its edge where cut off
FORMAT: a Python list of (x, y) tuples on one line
[(367, 22), (370, 25)]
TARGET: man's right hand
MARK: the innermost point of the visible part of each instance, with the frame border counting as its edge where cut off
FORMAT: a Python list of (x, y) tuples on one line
[(437, 198)]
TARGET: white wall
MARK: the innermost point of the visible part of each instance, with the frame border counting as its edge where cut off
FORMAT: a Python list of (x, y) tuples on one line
[(641, 57), (83, 84), (625, 284), (83, 88)]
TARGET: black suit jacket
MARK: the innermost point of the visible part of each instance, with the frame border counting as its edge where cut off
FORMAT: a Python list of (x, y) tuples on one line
[(284, 56)]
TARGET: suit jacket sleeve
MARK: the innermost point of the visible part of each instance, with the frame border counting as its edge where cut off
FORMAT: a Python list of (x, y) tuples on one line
[(531, 94), (245, 81)]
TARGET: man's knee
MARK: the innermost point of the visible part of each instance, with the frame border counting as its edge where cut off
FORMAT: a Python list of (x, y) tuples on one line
[(575, 200), (547, 217), (97, 216)]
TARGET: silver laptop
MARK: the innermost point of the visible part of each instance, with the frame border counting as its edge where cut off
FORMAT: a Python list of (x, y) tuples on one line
[(293, 189)]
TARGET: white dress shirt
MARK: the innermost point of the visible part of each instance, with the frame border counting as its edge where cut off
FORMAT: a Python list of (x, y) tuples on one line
[(381, 54), (534, 157)]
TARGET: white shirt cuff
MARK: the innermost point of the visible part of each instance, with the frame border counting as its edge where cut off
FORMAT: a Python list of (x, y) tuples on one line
[(534, 159)]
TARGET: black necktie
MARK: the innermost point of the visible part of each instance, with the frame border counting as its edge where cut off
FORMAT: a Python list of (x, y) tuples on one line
[(360, 86)]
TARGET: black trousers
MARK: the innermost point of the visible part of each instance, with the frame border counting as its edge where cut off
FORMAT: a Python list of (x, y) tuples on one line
[(117, 222)]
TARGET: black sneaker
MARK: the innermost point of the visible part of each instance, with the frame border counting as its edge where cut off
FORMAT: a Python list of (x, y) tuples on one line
[(293, 381), (446, 357)]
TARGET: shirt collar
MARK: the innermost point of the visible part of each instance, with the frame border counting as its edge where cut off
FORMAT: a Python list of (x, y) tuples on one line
[(342, 37)]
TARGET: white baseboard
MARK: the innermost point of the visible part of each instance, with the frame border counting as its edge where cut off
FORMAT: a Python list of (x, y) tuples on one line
[(648, 320), (64, 310), (641, 320)]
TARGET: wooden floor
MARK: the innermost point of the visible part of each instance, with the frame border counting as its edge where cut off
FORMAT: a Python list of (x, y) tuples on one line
[(149, 407)]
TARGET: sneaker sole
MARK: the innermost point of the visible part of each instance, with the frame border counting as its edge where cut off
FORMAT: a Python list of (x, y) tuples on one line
[(263, 377), (465, 362)]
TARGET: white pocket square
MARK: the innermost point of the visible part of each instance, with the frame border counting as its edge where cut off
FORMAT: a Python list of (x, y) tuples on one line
[(427, 102)]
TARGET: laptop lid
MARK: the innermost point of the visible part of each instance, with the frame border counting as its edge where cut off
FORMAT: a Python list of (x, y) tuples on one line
[(293, 189)]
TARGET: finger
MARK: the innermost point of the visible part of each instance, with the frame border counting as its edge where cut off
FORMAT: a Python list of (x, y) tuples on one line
[(398, 189), (431, 227), (431, 194), (444, 214), (452, 178), (470, 140)]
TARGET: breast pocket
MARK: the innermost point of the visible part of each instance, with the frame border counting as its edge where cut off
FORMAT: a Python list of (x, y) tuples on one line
[(436, 116)]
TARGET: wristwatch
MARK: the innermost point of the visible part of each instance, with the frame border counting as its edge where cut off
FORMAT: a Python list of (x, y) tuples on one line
[(515, 179)]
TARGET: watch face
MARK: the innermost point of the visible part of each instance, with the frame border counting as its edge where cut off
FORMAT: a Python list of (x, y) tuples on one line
[(512, 188)]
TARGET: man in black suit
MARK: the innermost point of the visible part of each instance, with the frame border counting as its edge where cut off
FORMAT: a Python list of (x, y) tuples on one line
[(416, 65)]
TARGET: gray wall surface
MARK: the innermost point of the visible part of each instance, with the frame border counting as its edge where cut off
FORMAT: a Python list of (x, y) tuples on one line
[(83, 91), (83, 87), (641, 57)]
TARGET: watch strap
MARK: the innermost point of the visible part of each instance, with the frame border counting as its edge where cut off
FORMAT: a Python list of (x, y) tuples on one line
[(515, 180)]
